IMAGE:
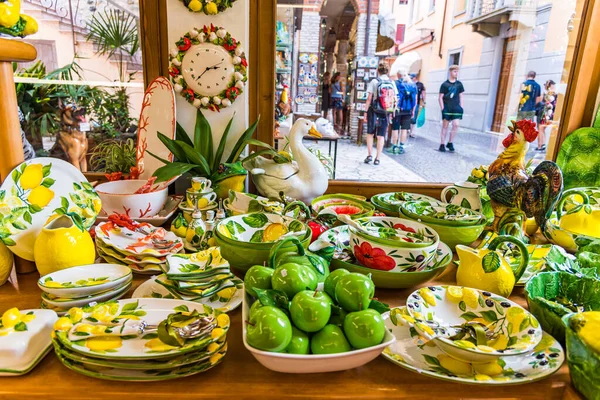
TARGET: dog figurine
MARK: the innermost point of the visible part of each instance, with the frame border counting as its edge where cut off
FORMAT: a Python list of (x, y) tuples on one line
[(72, 134)]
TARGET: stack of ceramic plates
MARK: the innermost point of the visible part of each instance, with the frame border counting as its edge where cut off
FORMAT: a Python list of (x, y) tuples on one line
[(202, 277), (104, 342), (79, 286), (144, 249)]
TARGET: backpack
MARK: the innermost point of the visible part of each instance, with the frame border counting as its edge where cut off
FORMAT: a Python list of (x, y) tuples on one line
[(406, 96), (385, 101)]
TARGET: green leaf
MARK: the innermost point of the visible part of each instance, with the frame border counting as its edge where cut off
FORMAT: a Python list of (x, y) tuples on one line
[(296, 226), (182, 308), (524, 324), (379, 306), (491, 262), (272, 297), (165, 161), (222, 144), (256, 220), (15, 175), (130, 306), (489, 316), (241, 143), (465, 203), (46, 169), (173, 147), (511, 341), (48, 182), (431, 360), (468, 316), (150, 336), (19, 225), (9, 242), (20, 327), (64, 203), (203, 142), (195, 157), (27, 217), (2, 194), (171, 170), (182, 136), (257, 237), (462, 305), (234, 228)]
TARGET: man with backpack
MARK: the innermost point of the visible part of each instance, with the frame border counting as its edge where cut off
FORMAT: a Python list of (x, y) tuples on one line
[(381, 103), (405, 111)]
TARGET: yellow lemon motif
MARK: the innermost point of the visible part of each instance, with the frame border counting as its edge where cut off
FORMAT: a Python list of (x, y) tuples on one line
[(211, 8), (195, 5), (482, 377), (428, 296), (546, 342), (486, 349), (499, 343), (31, 25), (464, 343), (40, 196), (227, 293), (515, 315), (11, 317), (32, 176), (75, 314), (104, 343), (63, 324), (471, 273), (274, 231), (491, 368), (28, 318), (587, 326), (455, 366), (87, 328), (216, 357), (470, 297), (223, 320), (217, 333), (6, 263), (157, 345), (454, 294), (213, 347), (583, 223)]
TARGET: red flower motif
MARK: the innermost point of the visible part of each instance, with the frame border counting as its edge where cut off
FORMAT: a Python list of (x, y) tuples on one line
[(374, 258), (244, 62), (188, 94), (173, 71), (184, 44), (230, 44), (404, 228), (409, 240)]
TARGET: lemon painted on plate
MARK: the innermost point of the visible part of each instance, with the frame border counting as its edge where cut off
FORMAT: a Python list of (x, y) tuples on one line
[(216, 357), (454, 294), (104, 343), (63, 324), (428, 296), (40, 196), (227, 294), (455, 366), (274, 231), (32, 176), (490, 369), (157, 345), (515, 315), (11, 317), (471, 297)]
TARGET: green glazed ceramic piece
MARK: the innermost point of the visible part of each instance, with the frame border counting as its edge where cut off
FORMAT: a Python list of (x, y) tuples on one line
[(579, 158), (552, 295), (410, 352), (343, 204), (443, 312), (344, 258), (564, 238), (442, 213), (384, 230), (389, 203), (584, 363), (259, 228)]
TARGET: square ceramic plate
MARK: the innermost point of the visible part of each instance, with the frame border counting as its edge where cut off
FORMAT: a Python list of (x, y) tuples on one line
[(21, 351)]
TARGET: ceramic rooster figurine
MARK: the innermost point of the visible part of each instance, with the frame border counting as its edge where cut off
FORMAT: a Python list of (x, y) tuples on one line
[(516, 195)]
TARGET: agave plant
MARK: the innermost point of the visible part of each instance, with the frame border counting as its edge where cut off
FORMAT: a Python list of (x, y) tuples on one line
[(198, 156)]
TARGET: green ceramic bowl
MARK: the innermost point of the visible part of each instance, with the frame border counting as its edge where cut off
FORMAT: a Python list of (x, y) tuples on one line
[(389, 203), (545, 288), (584, 362), (240, 251), (564, 238), (344, 203), (444, 213), (344, 258), (454, 235)]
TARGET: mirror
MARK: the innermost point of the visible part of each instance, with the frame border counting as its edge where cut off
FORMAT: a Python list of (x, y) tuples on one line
[(458, 73)]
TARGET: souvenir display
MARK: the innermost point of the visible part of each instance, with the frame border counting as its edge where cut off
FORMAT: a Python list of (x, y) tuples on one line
[(465, 194), (472, 325), (343, 257), (411, 351), (442, 213), (303, 179), (34, 191), (579, 158), (515, 194), (346, 333), (159, 218), (24, 339), (583, 351), (157, 115), (343, 204), (62, 244), (84, 280), (209, 7), (209, 68), (389, 203), (116, 340)]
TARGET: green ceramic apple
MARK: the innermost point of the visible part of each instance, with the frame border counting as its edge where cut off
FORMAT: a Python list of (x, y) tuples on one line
[(364, 328), (269, 329), (257, 277), (337, 317), (354, 292), (292, 278), (310, 310), (329, 340), (300, 343), (332, 280), (255, 306)]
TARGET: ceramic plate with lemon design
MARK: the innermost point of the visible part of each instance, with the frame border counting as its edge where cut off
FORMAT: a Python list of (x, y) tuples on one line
[(143, 268), (411, 351), (446, 313), (260, 228), (34, 191), (84, 280), (134, 347), (147, 241), (537, 252)]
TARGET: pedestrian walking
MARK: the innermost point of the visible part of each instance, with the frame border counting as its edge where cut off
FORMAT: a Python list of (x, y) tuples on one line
[(531, 96), (545, 113), (325, 94), (451, 104), (405, 111), (337, 101), (421, 95), (381, 103)]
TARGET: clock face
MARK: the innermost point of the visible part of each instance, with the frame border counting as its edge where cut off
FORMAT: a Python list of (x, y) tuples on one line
[(207, 69)]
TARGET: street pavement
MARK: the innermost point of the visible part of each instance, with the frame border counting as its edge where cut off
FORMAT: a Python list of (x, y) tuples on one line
[(422, 161)]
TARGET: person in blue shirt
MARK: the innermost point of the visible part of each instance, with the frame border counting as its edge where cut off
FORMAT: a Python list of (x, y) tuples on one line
[(531, 96), (405, 111)]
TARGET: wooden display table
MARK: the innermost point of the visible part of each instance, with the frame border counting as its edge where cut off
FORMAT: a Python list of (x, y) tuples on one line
[(240, 376)]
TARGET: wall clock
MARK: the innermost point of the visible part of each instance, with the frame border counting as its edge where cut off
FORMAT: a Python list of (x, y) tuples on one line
[(209, 7), (208, 68)]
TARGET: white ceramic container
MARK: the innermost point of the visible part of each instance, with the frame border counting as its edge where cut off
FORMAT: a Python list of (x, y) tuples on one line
[(119, 197), (83, 280)]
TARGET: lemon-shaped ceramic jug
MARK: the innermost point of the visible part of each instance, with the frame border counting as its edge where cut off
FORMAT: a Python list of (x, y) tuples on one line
[(582, 218), (61, 244), (487, 269)]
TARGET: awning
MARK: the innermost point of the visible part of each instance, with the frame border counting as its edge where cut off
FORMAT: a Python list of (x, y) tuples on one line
[(386, 32), (409, 62)]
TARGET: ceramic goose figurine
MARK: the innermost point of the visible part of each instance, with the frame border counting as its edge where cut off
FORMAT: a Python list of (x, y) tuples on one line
[(304, 178)]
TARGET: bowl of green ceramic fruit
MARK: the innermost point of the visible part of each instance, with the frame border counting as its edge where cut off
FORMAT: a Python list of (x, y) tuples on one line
[(246, 240), (294, 324)]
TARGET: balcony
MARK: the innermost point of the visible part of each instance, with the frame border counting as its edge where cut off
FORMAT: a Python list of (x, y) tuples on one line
[(486, 16)]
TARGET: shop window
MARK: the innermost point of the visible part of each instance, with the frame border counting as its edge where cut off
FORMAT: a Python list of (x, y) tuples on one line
[(454, 58), (93, 60), (460, 7)]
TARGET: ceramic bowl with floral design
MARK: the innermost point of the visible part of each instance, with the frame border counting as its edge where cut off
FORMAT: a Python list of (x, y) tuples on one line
[(389, 203), (442, 213), (472, 325), (413, 250), (343, 204), (120, 197)]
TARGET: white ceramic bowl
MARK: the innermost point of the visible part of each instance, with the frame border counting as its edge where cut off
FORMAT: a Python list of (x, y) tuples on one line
[(80, 280), (314, 363), (119, 197)]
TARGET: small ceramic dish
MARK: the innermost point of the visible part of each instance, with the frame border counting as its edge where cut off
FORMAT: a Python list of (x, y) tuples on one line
[(120, 197), (396, 232), (442, 312), (136, 268), (183, 207), (389, 203), (157, 220), (231, 211), (442, 213), (21, 350), (84, 280), (199, 264), (154, 241), (260, 228), (564, 238), (313, 363), (344, 258), (412, 352), (63, 303), (343, 204), (141, 259)]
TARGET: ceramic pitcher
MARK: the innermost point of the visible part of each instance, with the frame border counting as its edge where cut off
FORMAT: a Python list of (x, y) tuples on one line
[(464, 194)]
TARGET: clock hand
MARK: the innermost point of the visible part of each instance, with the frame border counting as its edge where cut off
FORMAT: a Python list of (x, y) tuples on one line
[(205, 71)]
